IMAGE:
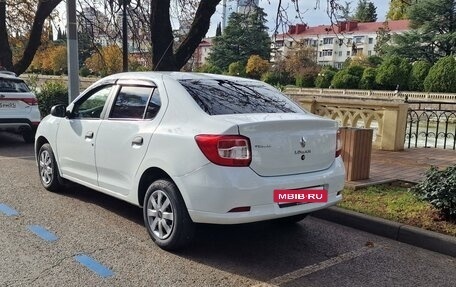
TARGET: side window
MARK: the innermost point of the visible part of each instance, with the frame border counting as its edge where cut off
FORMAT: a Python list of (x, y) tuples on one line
[(131, 102), (154, 105), (92, 106)]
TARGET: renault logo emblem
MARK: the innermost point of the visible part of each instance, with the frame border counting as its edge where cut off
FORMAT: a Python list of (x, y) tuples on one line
[(303, 142)]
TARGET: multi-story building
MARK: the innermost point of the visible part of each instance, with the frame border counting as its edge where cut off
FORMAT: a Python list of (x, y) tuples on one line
[(333, 44), (201, 53)]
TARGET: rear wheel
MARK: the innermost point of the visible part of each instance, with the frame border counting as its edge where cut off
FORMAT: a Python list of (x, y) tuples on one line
[(166, 216), (48, 170)]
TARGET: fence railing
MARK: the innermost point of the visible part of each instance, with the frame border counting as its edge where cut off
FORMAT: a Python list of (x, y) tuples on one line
[(431, 125), (405, 95)]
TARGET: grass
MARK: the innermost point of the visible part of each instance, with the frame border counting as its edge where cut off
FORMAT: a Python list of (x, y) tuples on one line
[(396, 203)]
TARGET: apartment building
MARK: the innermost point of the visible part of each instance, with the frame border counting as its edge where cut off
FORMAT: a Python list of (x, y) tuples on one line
[(333, 44)]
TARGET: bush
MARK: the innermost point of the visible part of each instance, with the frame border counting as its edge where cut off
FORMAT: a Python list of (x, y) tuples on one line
[(442, 76), (52, 93), (368, 79), (237, 69), (392, 72), (344, 80), (324, 78), (277, 78), (439, 189), (418, 74)]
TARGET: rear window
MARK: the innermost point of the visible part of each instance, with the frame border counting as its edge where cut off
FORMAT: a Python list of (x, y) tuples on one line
[(222, 97), (13, 86)]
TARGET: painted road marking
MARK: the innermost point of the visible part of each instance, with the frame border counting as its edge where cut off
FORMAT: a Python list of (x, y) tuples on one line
[(42, 232), (321, 265), (94, 265), (7, 210)]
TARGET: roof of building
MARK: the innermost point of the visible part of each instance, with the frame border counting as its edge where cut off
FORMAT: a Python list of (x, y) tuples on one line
[(354, 28)]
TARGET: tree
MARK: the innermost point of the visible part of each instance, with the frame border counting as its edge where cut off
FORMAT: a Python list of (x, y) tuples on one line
[(43, 10), (418, 74), (218, 32), (348, 78), (236, 42), (392, 72), (398, 9), (383, 38), (256, 66), (368, 79), (442, 76), (236, 69), (433, 33), (325, 77), (345, 12), (108, 61), (365, 12)]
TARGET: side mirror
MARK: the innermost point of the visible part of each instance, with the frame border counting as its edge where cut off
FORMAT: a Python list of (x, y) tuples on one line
[(58, 111)]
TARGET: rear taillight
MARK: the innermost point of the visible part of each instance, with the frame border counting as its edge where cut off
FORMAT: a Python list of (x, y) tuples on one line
[(30, 101), (226, 150), (338, 144)]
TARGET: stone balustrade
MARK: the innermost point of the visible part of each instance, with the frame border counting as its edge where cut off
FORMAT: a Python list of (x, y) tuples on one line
[(374, 94), (388, 119)]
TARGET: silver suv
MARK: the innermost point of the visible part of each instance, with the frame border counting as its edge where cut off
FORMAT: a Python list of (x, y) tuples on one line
[(19, 111)]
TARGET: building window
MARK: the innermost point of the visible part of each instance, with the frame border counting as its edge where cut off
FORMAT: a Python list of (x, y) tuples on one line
[(371, 40), (340, 53), (325, 53), (349, 41), (327, 41), (369, 53), (348, 53), (358, 40)]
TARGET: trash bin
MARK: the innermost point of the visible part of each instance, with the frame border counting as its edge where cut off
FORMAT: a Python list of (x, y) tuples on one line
[(356, 152)]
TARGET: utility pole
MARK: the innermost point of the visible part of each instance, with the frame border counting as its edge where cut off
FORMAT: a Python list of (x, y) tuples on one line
[(72, 45), (124, 36)]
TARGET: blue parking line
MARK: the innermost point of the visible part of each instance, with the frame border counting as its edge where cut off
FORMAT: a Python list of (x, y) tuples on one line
[(42, 232), (94, 265), (7, 210)]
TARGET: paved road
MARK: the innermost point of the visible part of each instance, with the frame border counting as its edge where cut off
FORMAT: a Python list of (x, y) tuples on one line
[(90, 224)]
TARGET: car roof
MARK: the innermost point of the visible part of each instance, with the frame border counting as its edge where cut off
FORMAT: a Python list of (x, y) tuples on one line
[(8, 75), (174, 75)]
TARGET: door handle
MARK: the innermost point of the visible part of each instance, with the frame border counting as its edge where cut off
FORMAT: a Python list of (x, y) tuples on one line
[(137, 141), (89, 135)]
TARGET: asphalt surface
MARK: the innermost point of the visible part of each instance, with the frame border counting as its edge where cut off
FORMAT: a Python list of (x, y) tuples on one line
[(88, 224)]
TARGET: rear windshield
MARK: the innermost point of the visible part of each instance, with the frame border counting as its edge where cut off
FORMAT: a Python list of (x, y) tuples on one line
[(222, 97), (13, 86)]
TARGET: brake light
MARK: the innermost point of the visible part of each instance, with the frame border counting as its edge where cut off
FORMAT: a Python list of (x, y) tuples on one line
[(338, 144), (30, 101), (225, 150)]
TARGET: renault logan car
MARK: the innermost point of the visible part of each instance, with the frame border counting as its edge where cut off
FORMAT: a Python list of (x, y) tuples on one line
[(19, 111), (192, 148)]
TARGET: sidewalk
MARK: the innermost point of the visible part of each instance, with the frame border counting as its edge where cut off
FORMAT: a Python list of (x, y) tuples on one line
[(409, 165)]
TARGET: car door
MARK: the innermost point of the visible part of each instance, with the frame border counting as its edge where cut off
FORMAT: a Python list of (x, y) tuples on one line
[(123, 138), (77, 134)]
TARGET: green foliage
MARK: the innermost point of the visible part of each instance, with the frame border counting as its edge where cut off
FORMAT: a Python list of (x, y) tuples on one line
[(418, 74), (374, 61), (365, 12), (276, 78), (383, 38), (52, 93), (392, 72), (433, 33), (208, 68), (442, 76), (324, 78), (32, 82), (368, 79), (398, 9), (236, 69), (245, 35), (305, 80), (348, 78), (84, 72), (439, 188)]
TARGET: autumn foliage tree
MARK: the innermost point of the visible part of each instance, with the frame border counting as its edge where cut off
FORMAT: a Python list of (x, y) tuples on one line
[(256, 66), (108, 61)]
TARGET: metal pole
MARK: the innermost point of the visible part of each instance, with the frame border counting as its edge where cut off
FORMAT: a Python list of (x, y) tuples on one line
[(72, 45), (124, 37)]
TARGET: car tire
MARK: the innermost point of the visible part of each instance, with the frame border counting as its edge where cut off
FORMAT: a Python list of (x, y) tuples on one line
[(48, 170), (28, 136), (290, 219), (166, 216)]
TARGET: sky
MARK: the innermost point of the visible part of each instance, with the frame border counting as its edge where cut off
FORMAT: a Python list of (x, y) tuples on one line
[(312, 15)]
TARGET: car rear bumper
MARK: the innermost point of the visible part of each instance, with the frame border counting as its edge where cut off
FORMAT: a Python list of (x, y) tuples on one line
[(18, 124), (212, 191)]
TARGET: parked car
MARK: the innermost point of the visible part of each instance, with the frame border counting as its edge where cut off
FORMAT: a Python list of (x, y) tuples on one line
[(191, 148), (19, 111)]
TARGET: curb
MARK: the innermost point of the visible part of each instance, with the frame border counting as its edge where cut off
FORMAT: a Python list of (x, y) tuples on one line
[(430, 240)]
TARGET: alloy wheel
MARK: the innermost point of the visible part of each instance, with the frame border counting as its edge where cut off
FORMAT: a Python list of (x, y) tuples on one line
[(160, 214)]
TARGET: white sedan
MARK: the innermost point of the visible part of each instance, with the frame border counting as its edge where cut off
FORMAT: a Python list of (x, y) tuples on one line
[(193, 148)]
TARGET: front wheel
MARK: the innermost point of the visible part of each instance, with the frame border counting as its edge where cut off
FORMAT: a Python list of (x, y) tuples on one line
[(48, 170), (166, 216)]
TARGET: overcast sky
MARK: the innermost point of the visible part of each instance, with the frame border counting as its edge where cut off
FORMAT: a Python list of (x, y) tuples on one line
[(313, 15)]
